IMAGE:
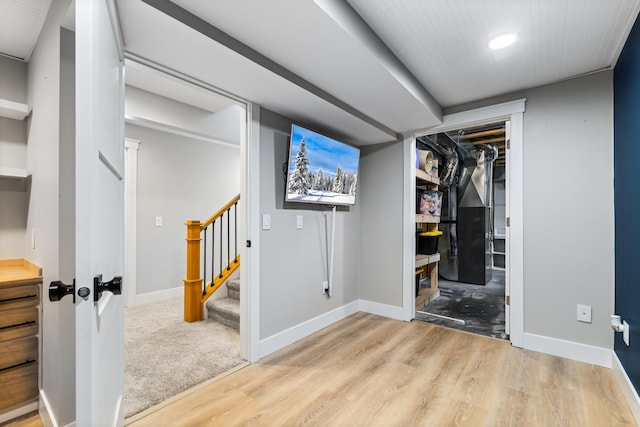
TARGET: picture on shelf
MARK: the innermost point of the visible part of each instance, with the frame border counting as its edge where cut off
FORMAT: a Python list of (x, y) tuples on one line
[(321, 170)]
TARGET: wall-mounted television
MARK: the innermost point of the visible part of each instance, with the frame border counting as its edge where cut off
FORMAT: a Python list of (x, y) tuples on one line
[(321, 170)]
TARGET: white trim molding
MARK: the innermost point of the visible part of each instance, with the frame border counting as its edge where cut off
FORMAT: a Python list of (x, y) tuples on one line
[(386, 310), (627, 387), (568, 349), (131, 147), (289, 336), (157, 296), (45, 411)]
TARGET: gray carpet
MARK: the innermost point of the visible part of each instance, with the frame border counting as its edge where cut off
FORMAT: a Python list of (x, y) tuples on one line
[(165, 356), (481, 307)]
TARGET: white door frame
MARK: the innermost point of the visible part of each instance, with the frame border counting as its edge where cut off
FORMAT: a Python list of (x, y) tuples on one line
[(248, 213), (514, 112), (131, 147)]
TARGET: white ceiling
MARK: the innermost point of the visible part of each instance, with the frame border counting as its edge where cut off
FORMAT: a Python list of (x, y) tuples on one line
[(445, 42), (367, 76), (20, 25)]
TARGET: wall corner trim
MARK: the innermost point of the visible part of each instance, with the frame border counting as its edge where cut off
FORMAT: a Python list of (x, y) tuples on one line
[(628, 389), (568, 349), (289, 336)]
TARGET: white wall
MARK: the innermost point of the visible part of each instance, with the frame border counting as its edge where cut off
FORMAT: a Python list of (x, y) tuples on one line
[(13, 154), (43, 86), (223, 125), (178, 179), (293, 262), (380, 198), (568, 207)]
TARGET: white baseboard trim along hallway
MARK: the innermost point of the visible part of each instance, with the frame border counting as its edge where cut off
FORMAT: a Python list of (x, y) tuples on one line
[(568, 349), (628, 389)]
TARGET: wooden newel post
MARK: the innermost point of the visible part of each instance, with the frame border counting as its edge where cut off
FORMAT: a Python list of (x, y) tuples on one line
[(193, 311)]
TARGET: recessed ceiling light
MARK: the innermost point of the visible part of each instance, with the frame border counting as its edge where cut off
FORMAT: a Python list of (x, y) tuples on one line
[(503, 41)]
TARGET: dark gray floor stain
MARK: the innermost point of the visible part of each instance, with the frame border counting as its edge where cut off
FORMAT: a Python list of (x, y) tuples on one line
[(481, 307)]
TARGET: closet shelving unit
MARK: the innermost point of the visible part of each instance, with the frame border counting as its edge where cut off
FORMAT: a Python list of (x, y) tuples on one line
[(428, 263), (15, 111)]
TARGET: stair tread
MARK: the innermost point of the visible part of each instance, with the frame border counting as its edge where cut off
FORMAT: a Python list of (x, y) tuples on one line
[(229, 304)]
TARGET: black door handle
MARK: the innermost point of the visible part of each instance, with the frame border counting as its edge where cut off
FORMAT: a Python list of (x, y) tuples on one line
[(58, 290), (114, 286)]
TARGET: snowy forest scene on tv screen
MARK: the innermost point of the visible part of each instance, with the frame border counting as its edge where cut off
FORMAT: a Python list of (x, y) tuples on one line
[(321, 170)]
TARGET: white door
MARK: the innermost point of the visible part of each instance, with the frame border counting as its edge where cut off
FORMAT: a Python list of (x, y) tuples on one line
[(99, 216)]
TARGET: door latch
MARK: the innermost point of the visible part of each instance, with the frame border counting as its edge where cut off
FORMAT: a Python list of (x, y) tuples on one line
[(58, 290), (114, 286)]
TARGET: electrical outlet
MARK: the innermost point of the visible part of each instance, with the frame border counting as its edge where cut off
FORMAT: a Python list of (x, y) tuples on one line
[(158, 221), (625, 333), (584, 313)]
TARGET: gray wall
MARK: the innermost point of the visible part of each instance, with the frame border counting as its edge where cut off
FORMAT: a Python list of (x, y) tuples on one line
[(178, 179), (381, 198), (13, 80), (568, 207), (43, 84), (293, 262), (13, 154)]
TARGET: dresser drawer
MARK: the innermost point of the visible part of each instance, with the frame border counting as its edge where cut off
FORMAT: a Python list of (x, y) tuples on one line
[(16, 352), (18, 323), (19, 385), (19, 296)]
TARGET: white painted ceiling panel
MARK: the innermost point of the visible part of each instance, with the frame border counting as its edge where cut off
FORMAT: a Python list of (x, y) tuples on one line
[(154, 81), (445, 42), (153, 35), (301, 37), (20, 24)]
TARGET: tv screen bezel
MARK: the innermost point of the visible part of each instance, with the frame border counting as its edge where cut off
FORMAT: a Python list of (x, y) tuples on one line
[(290, 164)]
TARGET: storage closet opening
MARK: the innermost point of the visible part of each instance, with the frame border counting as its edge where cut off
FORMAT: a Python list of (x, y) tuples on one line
[(461, 225)]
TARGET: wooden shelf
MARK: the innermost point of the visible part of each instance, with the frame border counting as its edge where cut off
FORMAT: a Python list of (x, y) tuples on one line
[(426, 218), (19, 271), (13, 173), (422, 260), (425, 296), (13, 110), (424, 177)]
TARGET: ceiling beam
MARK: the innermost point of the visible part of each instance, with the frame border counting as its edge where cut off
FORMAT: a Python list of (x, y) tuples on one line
[(350, 21), (203, 27)]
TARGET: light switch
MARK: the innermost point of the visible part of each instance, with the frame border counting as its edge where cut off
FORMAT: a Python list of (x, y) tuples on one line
[(299, 222), (266, 222), (158, 221)]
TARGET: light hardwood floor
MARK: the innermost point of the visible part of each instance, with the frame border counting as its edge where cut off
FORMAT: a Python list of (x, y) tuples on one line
[(371, 371)]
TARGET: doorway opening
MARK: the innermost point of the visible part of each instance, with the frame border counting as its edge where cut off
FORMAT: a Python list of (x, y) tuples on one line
[(470, 292), (183, 163)]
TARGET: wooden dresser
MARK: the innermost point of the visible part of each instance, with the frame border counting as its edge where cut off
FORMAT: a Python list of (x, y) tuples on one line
[(20, 284)]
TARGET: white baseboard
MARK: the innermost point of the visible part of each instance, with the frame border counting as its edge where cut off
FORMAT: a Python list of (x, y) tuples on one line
[(385, 310), (568, 349), (14, 413), (157, 296), (304, 329), (627, 387), (45, 411)]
